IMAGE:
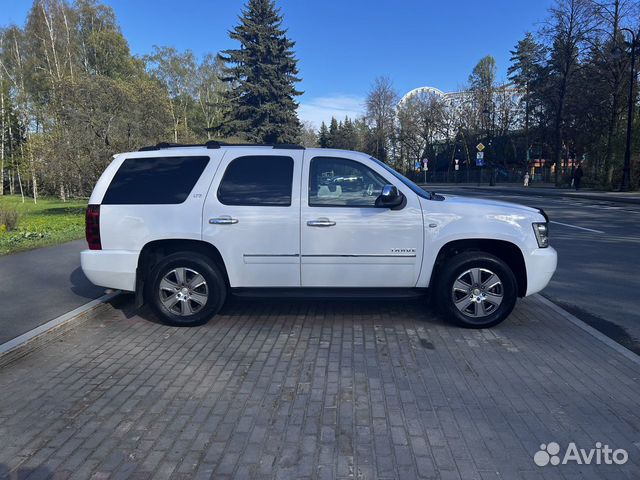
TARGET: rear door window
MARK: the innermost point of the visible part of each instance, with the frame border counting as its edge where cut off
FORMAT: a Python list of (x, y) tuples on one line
[(155, 180), (257, 180)]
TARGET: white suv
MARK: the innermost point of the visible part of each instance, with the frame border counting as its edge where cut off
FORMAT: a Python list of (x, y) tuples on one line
[(184, 225)]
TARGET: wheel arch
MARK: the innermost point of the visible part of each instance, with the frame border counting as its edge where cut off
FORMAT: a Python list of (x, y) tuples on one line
[(508, 252), (155, 250)]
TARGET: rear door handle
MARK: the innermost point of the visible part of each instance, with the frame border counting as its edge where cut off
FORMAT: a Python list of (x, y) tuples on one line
[(321, 222), (223, 220)]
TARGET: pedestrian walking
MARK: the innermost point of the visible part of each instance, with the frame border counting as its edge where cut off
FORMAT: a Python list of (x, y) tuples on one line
[(577, 176), (526, 179)]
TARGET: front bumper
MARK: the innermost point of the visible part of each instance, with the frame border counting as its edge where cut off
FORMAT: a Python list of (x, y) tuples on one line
[(541, 264), (110, 268)]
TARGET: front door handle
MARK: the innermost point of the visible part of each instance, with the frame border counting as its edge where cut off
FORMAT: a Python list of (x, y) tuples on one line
[(223, 220), (321, 222)]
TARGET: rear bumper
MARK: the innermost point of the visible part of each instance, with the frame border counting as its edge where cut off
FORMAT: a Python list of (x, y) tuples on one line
[(110, 268), (541, 265)]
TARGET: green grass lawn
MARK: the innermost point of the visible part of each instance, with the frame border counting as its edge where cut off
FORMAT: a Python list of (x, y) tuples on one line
[(49, 222)]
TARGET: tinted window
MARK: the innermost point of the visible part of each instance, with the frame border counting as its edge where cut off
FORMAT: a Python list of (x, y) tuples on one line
[(257, 180), (157, 180), (338, 182)]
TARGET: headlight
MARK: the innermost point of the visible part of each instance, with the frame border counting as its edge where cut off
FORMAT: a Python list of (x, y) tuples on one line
[(542, 234)]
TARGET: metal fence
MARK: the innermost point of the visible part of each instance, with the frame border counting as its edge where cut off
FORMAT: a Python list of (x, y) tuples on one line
[(479, 175)]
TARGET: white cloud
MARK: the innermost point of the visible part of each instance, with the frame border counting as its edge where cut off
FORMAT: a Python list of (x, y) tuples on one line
[(321, 109)]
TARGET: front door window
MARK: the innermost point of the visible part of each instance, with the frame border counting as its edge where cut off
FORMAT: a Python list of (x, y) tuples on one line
[(338, 182)]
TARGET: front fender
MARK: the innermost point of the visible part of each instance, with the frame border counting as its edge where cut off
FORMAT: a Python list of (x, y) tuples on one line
[(442, 228)]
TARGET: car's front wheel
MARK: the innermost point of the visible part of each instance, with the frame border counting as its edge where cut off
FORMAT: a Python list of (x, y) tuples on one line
[(185, 289), (476, 290)]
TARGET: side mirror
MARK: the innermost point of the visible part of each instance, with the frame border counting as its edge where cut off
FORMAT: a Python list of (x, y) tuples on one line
[(390, 198)]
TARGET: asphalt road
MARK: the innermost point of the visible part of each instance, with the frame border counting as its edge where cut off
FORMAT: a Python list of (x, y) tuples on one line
[(40, 285), (598, 244)]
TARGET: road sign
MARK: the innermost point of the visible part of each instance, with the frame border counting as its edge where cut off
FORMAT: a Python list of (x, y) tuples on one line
[(425, 163), (480, 155), (418, 166), (479, 162), (456, 160), (480, 147), (457, 167)]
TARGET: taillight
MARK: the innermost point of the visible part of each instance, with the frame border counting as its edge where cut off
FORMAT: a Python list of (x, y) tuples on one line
[(92, 227)]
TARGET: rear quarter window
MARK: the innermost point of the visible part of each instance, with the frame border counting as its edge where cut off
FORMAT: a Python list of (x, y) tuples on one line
[(154, 180)]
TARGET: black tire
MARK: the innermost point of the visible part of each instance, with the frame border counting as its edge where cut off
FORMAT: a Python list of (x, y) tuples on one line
[(465, 262), (191, 262)]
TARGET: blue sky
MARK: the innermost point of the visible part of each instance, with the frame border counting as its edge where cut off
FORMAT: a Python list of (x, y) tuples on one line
[(342, 45)]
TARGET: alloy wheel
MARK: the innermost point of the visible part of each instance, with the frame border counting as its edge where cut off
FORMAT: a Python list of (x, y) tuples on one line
[(183, 291), (477, 292)]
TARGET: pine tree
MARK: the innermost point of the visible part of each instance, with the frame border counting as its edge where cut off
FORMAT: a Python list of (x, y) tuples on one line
[(526, 73), (349, 135), (333, 133), (262, 75), (323, 136)]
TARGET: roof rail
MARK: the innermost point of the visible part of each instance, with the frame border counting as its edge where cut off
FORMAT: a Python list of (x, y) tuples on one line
[(288, 146), (280, 146), (162, 145), (214, 144)]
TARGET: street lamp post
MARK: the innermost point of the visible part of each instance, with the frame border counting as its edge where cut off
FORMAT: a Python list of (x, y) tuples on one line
[(626, 170)]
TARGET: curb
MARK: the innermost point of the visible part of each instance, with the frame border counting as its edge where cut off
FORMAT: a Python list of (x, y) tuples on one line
[(39, 336), (590, 330)]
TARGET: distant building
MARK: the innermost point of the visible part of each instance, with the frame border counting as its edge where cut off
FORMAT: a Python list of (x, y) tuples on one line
[(463, 111), (450, 96)]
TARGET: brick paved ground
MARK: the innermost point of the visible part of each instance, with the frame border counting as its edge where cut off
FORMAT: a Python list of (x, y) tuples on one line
[(317, 389)]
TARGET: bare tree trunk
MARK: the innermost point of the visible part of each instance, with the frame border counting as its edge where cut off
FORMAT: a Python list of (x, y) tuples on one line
[(32, 164), (176, 121), (24, 111), (66, 26), (609, 159), (2, 135), (184, 113), (34, 181), (207, 117), (11, 179), (52, 38), (557, 136), (20, 183)]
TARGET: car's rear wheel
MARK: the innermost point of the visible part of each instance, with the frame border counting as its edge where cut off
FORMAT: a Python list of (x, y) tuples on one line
[(185, 289), (476, 290)]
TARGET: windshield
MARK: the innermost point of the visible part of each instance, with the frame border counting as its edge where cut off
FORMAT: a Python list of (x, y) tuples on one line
[(414, 188)]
